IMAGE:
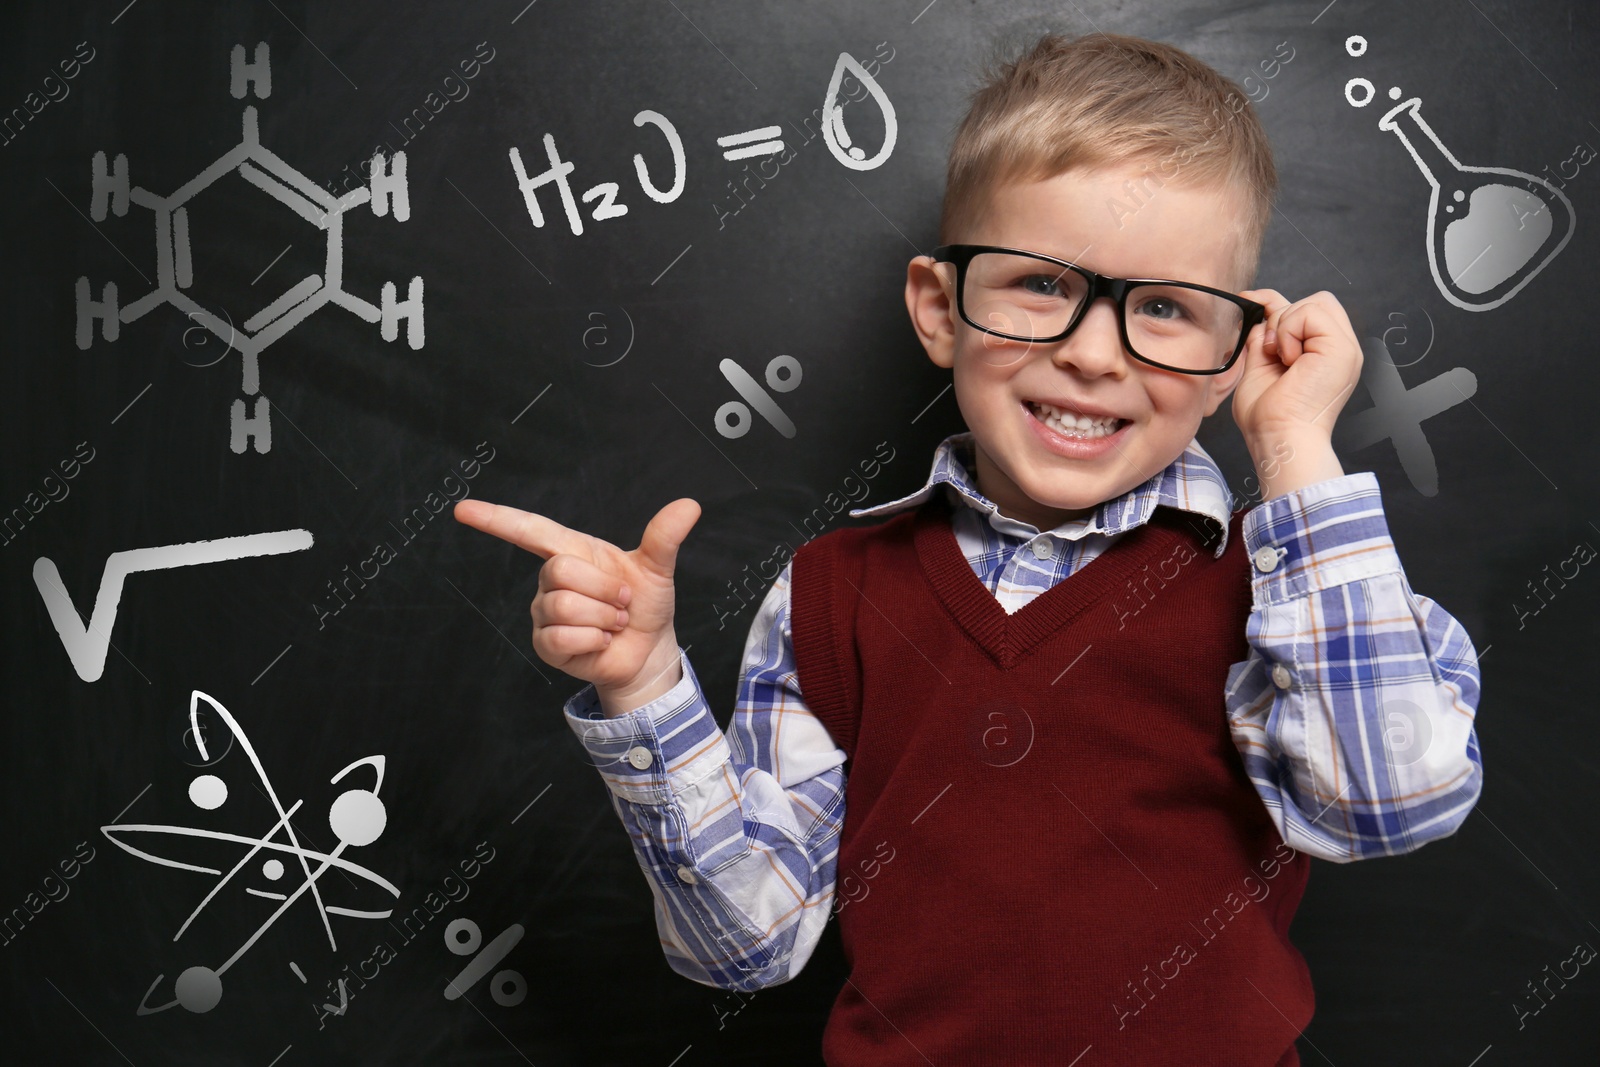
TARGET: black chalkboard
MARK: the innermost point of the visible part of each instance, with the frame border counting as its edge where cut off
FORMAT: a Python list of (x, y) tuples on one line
[(226, 338)]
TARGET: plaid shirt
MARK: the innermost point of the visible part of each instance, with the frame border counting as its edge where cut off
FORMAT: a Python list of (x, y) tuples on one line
[(1353, 714)]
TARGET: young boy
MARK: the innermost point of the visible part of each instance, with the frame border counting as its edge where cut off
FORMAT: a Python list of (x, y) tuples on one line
[(1093, 716)]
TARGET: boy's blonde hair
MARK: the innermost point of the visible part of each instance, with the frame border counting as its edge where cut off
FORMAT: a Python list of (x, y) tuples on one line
[(1110, 99)]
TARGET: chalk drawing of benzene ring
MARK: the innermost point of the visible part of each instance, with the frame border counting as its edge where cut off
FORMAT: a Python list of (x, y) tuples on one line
[(357, 817), (264, 169)]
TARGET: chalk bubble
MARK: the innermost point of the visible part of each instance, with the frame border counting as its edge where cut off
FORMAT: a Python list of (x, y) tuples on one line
[(199, 989), (208, 792), (357, 817)]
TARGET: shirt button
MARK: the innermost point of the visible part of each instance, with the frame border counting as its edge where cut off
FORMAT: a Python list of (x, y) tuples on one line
[(1266, 559), (1280, 676), (640, 757), (688, 875), (1042, 549)]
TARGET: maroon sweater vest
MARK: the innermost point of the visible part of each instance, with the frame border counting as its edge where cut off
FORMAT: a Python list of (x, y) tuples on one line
[(1050, 843)]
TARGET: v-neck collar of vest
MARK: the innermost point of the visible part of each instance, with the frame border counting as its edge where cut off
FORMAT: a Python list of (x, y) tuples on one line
[(1009, 637)]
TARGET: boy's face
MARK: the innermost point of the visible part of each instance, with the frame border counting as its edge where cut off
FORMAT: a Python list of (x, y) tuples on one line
[(1179, 234)]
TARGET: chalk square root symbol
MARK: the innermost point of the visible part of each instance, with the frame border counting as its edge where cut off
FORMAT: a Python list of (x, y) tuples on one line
[(264, 169)]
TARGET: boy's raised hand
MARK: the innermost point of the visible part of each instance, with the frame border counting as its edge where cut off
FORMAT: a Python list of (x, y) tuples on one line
[(602, 614), (1301, 365)]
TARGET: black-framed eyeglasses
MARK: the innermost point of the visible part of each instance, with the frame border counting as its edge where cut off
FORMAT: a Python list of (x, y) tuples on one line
[(1028, 296)]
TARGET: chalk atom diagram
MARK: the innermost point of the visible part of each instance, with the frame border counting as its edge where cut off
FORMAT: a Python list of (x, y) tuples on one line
[(356, 817), (261, 167)]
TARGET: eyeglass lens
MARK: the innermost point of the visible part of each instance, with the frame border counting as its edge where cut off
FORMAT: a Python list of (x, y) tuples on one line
[(1031, 299)]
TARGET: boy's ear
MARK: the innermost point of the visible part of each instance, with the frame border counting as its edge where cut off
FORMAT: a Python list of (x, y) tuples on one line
[(930, 300)]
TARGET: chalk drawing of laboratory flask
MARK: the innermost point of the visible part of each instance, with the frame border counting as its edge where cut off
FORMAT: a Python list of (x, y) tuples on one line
[(1490, 229)]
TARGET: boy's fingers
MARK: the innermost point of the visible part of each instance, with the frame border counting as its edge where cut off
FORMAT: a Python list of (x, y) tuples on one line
[(665, 532), (539, 535), (1273, 300), (563, 607), (1276, 303), (567, 571), (564, 642), (1290, 341), (1255, 346)]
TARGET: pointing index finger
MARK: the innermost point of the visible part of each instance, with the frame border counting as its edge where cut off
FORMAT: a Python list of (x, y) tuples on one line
[(542, 536)]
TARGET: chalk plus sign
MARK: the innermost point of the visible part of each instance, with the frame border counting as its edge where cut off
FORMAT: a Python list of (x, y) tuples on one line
[(175, 271), (1398, 413)]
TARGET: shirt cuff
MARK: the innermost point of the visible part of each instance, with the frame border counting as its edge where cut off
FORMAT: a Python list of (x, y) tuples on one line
[(1321, 535), (655, 751)]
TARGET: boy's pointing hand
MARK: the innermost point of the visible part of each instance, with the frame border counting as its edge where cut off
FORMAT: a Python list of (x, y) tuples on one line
[(602, 614), (1301, 365)]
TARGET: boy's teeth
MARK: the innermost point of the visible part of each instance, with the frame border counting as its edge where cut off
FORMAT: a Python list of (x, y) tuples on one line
[(1077, 425)]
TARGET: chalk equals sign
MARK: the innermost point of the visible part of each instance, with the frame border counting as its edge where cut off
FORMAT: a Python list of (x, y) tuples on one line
[(768, 138)]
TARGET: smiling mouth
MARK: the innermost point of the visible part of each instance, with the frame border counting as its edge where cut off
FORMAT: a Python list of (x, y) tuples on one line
[(1070, 425)]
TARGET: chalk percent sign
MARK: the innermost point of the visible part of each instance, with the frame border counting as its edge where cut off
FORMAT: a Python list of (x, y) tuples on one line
[(733, 419), (507, 987)]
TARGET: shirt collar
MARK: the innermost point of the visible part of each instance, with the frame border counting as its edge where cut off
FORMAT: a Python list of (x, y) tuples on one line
[(1193, 482)]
